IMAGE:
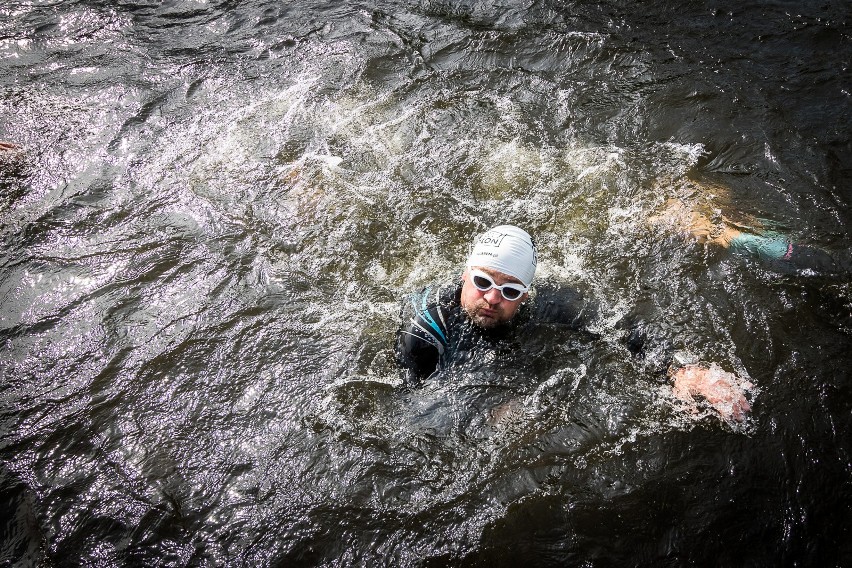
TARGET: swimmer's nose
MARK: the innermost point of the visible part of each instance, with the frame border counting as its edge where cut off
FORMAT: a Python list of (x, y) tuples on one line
[(493, 296)]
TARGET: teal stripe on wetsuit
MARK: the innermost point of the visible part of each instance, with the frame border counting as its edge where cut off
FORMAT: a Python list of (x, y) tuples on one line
[(770, 246), (425, 316)]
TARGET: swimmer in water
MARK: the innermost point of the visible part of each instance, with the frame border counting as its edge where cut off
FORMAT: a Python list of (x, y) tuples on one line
[(695, 216), (489, 306)]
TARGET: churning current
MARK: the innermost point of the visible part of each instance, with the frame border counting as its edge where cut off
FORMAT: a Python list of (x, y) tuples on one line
[(213, 211)]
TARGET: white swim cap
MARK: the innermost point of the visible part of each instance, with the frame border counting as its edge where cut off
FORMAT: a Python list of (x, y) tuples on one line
[(508, 249)]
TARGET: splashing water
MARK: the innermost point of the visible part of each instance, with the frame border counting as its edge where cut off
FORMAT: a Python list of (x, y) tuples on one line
[(218, 209)]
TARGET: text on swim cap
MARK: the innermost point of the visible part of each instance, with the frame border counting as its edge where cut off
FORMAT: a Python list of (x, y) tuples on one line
[(492, 239)]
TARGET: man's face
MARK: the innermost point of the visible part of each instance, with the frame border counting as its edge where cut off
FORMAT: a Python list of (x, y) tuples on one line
[(489, 309)]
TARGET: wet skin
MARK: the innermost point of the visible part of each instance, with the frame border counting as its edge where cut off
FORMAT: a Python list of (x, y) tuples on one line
[(489, 309)]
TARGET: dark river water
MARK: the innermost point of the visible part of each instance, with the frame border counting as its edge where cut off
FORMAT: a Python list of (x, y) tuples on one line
[(213, 210)]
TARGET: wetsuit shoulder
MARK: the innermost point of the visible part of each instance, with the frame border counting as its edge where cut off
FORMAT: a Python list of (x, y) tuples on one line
[(563, 305), (423, 334)]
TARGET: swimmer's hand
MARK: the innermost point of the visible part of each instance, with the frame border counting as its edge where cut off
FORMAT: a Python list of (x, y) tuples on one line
[(724, 391)]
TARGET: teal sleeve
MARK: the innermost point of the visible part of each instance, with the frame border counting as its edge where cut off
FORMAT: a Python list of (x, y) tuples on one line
[(770, 246)]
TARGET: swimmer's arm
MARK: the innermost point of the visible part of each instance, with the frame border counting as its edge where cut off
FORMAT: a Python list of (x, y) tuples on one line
[(770, 246), (724, 391), (416, 358), (679, 216), (564, 306)]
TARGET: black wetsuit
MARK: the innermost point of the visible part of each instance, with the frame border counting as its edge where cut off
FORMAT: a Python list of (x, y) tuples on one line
[(437, 333)]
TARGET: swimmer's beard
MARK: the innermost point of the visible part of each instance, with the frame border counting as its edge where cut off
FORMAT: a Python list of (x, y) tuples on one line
[(485, 321)]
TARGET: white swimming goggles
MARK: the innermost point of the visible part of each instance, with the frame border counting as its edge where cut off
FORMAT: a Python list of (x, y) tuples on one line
[(511, 290)]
